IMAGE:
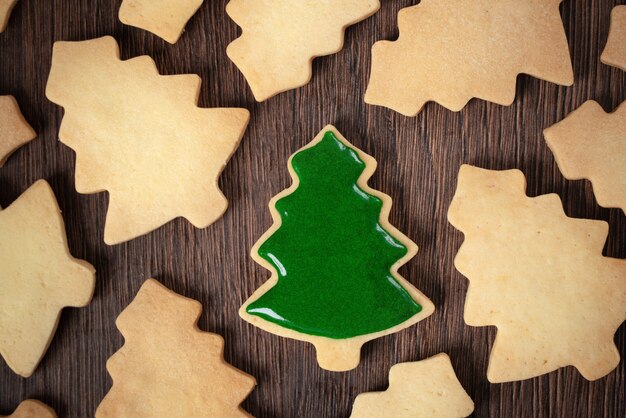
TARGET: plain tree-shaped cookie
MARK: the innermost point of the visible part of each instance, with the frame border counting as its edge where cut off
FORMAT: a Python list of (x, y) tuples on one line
[(38, 277), (280, 38), (421, 389), (450, 51), (140, 136), (14, 130), (615, 50), (6, 7), (167, 366), (334, 257), (164, 18), (33, 409), (538, 276), (591, 144)]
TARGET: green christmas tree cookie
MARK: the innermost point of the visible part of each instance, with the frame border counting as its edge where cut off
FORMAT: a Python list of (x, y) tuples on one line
[(334, 258)]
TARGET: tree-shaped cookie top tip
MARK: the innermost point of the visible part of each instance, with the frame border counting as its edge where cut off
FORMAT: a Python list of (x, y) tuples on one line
[(334, 257), (537, 275), (156, 301), (38, 277), (179, 368), (31, 408), (141, 136)]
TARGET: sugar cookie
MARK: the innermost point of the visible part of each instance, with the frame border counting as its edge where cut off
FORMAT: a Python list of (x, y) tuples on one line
[(140, 136), (615, 50), (422, 389), (591, 144), (450, 51), (167, 366), (164, 18), (38, 277), (334, 257), (280, 38), (14, 130), (538, 276), (33, 409)]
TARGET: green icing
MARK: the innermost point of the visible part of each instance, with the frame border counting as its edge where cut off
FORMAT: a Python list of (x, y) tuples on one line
[(332, 256)]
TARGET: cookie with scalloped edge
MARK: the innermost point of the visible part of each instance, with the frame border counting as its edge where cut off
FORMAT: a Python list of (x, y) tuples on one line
[(31, 408), (591, 144), (14, 130), (38, 277), (427, 389), (450, 51), (164, 18), (615, 50), (331, 245), (167, 366), (141, 136), (280, 38), (537, 275)]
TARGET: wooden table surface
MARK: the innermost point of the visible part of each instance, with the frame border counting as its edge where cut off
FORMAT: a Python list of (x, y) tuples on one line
[(418, 159)]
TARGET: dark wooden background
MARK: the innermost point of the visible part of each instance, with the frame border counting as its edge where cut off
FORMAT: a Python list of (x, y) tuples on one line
[(418, 163)]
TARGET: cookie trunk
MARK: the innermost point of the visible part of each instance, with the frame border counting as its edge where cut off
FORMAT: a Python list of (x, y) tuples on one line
[(338, 355)]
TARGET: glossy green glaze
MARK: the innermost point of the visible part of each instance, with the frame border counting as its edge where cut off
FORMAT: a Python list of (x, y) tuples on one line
[(332, 256)]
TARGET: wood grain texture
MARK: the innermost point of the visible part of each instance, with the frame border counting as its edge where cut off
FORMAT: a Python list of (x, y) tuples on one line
[(418, 161)]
